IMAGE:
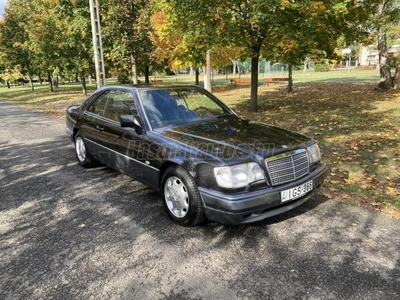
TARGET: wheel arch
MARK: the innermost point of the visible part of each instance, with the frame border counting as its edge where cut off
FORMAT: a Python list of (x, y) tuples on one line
[(75, 132), (183, 164)]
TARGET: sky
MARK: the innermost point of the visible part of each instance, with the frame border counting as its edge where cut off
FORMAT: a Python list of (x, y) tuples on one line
[(2, 4)]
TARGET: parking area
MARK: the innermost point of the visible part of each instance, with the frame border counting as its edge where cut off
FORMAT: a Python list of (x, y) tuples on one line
[(73, 233)]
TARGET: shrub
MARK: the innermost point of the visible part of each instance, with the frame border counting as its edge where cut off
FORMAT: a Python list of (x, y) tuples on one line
[(321, 67), (123, 78)]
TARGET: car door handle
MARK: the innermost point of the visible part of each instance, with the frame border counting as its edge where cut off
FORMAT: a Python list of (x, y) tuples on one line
[(99, 128)]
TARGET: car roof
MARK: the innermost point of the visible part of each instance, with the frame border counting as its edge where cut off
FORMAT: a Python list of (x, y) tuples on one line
[(110, 87)]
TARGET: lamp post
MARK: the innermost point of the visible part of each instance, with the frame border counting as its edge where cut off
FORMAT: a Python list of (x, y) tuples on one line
[(347, 51)]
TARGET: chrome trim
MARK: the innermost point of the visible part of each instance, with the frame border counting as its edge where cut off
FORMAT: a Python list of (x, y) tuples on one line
[(69, 131), (140, 102), (286, 154), (101, 117), (138, 161), (286, 171)]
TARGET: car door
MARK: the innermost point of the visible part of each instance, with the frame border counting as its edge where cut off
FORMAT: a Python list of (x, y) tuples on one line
[(124, 149), (93, 124)]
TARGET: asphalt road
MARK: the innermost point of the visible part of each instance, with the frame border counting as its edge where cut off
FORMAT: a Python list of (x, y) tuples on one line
[(73, 233)]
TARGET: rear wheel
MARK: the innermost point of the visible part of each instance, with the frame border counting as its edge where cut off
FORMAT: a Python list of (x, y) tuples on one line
[(83, 155), (181, 197)]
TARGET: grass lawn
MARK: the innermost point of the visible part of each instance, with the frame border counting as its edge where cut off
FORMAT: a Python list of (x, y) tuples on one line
[(356, 125)]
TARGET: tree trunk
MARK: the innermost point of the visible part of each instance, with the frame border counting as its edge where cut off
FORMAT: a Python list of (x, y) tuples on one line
[(134, 70), (31, 83), (290, 83), (8, 84), (197, 76), (305, 65), (40, 79), (384, 68), (50, 82), (234, 64), (83, 82), (147, 74), (396, 78), (76, 77), (55, 82), (254, 82), (207, 74)]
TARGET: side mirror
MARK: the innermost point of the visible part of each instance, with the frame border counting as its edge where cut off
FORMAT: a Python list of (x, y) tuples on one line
[(131, 121)]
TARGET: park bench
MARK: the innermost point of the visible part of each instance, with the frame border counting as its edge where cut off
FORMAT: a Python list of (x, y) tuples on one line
[(235, 81), (155, 80), (266, 80)]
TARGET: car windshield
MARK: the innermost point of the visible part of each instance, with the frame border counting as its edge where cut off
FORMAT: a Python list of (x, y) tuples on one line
[(177, 106)]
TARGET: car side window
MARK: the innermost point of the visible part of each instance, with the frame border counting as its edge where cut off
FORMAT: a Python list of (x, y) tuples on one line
[(99, 104), (119, 103)]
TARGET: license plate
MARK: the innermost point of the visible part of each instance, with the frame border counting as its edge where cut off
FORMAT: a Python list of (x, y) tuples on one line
[(297, 191)]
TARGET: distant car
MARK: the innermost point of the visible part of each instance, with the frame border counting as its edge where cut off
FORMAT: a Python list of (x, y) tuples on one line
[(204, 160)]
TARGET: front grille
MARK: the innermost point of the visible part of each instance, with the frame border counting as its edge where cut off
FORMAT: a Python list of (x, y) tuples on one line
[(287, 167)]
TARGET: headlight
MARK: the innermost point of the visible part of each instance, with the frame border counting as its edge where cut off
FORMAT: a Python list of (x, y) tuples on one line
[(313, 153), (238, 176)]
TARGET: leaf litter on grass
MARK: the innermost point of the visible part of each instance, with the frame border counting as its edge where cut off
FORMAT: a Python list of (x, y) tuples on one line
[(357, 128)]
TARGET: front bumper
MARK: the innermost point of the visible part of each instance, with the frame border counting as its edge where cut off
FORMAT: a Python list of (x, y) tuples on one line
[(258, 205), (70, 133)]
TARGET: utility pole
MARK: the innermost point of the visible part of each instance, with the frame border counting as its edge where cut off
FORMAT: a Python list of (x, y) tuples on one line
[(97, 44)]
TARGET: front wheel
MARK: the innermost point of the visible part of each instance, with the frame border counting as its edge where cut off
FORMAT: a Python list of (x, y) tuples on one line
[(84, 157), (181, 197)]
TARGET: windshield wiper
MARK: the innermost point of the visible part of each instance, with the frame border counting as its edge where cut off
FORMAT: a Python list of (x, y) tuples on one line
[(226, 115)]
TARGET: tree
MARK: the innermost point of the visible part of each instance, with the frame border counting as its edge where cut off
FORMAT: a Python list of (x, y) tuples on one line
[(248, 24), (11, 75), (223, 55), (126, 35), (252, 24), (245, 24), (16, 58), (165, 41), (73, 20), (393, 35), (196, 22), (387, 14), (79, 40), (44, 36), (315, 29)]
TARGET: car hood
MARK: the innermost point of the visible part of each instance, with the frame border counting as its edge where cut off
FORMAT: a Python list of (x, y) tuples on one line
[(232, 137)]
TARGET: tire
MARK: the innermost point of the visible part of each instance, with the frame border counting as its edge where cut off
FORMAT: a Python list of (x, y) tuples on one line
[(83, 155), (181, 198)]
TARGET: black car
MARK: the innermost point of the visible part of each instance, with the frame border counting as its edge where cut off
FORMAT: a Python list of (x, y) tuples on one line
[(204, 160)]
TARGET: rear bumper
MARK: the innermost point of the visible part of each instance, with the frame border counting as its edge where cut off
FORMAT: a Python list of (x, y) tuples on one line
[(255, 206)]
